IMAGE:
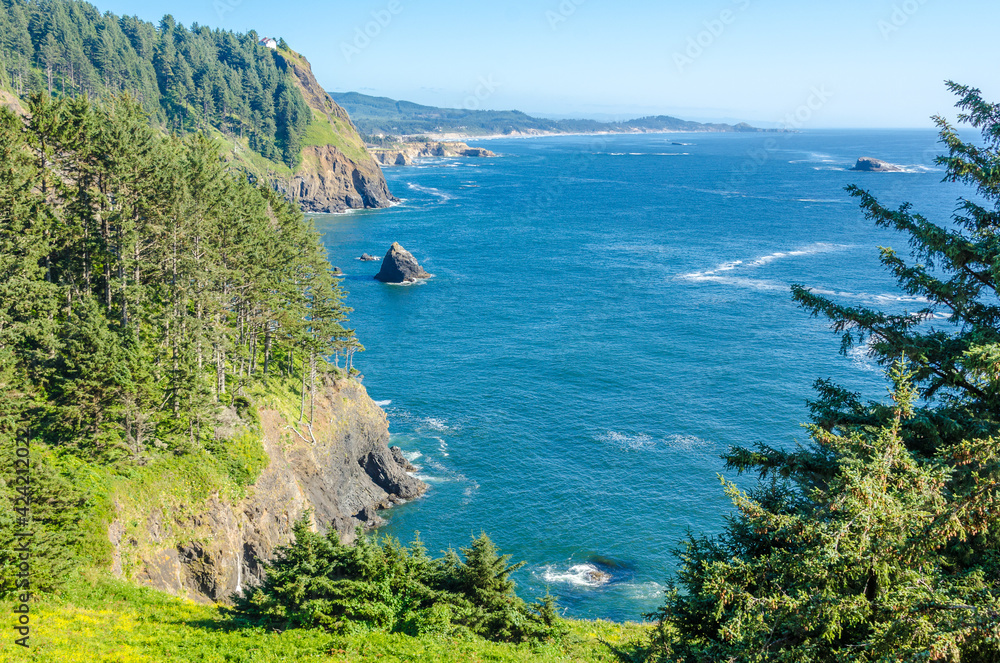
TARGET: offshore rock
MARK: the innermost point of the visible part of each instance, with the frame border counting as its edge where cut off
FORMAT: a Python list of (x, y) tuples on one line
[(210, 551), (399, 266), (870, 165), (365, 257)]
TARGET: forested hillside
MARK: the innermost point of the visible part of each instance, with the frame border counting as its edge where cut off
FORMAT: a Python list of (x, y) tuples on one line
[(141, 285), (185, 79)]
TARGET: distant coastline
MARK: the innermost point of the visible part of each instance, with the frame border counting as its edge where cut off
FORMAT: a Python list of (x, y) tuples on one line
[(455, 137), (383, 121)]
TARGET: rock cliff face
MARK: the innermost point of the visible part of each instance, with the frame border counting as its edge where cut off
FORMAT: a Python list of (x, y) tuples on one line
[(338, 175), (328, 181), (408, 152), (345, 477)]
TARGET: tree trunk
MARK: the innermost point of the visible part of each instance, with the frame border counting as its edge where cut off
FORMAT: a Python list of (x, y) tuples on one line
[(302, 402), (312, 387), (267, 348)]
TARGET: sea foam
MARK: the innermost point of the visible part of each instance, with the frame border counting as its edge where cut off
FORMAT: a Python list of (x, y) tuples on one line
[(580, 575)]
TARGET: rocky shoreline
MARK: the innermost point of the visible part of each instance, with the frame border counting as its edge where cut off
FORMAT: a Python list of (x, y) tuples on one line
[(342, 470), (406, 153)]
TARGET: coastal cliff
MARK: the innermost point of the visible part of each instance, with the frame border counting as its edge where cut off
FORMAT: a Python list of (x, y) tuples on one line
[(336, 173), (406, 153), (328, 181), (210, 550)]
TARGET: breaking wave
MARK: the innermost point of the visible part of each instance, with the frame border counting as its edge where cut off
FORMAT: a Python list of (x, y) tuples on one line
[(581, 575)]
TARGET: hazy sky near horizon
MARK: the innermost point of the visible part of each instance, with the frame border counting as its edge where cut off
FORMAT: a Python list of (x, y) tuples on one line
[(851, 63)]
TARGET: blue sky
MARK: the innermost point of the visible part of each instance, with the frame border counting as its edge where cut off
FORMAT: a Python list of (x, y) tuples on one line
[(850, 63)]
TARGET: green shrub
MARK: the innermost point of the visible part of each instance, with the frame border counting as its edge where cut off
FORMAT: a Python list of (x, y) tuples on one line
[(380, 585)]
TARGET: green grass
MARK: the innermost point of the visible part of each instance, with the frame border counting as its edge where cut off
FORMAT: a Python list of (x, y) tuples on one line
[(334, 131), (98, 619)]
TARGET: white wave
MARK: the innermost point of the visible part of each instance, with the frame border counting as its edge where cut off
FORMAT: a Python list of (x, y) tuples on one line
[(643, 590), (426, 478), (436, 424), (431, 191), (759, 284), (581, 575), (679, 441), (442, 446), (818, 157), (778, 255), (860, 356), (628, 442), (407, 284), (872, 298), (412, 455), (740, 282), (469, 492), (648, 154), (383, 403), (435, 465)]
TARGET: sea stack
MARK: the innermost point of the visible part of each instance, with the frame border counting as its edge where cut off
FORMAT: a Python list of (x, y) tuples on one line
[(870, 165), (399, 266)]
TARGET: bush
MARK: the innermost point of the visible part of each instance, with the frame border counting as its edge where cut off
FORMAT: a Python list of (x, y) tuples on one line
[(380, 585)]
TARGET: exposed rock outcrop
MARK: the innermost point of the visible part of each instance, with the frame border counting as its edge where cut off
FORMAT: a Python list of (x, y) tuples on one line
[(346, 477), (870, 165), (328, 182), (365, 257), (340, 175), (399, 266), (409, 152), (9, 100)]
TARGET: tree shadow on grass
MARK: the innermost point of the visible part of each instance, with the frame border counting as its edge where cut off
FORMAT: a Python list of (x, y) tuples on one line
[(630, 652)]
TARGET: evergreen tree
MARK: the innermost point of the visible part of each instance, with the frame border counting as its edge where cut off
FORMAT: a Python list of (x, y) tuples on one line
[(378, 584), (880, 539), (185, 80)]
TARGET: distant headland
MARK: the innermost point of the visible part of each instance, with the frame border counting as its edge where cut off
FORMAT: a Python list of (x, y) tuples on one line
[(384, 122)]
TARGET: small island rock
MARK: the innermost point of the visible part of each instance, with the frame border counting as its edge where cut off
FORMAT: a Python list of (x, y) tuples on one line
[(399, 266), (598, 577), (870, 165), (367, 258)]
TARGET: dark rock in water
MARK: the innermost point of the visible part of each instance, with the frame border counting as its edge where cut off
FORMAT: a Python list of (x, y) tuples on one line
[(870, 165), (597, 576), (400, 459), (369, 516), (367, 258), (337, 271), (399, 266)]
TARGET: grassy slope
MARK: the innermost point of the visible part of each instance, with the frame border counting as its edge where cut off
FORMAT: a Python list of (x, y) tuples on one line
[(331, 130), (325, 128), (102, 620)]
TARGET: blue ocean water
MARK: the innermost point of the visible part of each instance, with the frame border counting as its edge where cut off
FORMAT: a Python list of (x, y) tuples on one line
[(607, 316)]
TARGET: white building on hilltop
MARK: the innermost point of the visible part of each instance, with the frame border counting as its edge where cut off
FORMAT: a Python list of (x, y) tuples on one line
[(270, 43)]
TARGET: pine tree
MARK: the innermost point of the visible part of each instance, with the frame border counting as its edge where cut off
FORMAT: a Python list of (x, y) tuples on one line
[(880, 539)]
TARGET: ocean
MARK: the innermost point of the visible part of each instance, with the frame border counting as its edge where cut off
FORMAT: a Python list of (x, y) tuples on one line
[(608, 315)]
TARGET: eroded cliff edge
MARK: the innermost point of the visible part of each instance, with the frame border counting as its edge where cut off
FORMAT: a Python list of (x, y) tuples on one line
[(337, 172), (209, 551)]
